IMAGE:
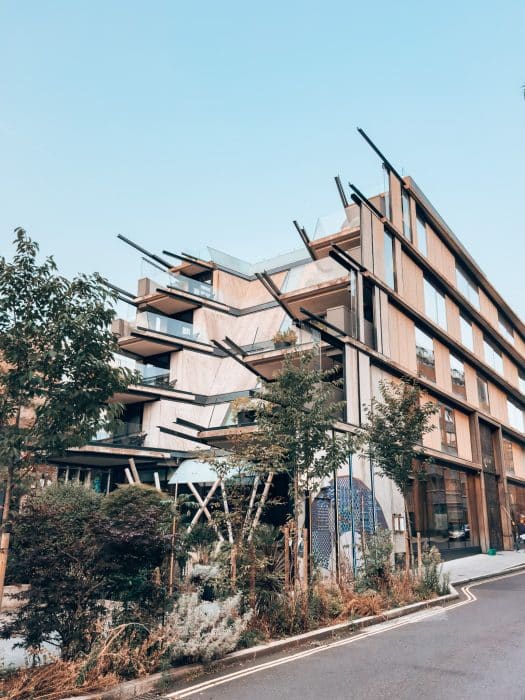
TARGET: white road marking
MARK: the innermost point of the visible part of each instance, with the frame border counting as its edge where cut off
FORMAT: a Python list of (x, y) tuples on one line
[(377, 629)]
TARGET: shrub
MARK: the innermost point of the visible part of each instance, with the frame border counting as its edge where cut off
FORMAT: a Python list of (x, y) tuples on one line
[(56, 551), (198, 630), (376, 569)]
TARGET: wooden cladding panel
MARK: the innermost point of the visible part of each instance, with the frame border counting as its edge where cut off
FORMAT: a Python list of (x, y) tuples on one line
[(498, 403), (510, 371), (518, 456), (395, 202), (440, 256), (241, 293), (442, 358), (463, 435), (378, 242), (488, 309), (402, 339), (453, 323), (412, 283)]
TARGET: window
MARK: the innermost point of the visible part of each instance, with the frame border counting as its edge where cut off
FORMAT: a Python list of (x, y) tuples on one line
[(508, 457), (467, 286), (447, 425), (390, 277), (466, 333), (405, 205), (493, 356), (426, 364), (521, 380), (457, 373), (435, 305), (505, 327), (421, 233), (515, 416), (483, 394)]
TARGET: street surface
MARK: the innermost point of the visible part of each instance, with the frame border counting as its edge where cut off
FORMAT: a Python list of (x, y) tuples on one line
[(473, 649)]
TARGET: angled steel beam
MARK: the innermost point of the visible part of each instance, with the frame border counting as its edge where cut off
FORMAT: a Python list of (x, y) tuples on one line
[(343, 255), (188, 424), (119, 290), (233, 356), (189, 259), (144, 251), (341, 191), (179, 433), (388, 165), (366, 201), (236, 348), (322, 321), (304, 237), (273, 290)]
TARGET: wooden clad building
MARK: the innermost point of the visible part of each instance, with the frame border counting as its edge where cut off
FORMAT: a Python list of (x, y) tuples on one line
[(389, 293)]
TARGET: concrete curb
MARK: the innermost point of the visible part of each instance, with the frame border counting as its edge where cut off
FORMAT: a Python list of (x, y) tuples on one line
[(132, 689)]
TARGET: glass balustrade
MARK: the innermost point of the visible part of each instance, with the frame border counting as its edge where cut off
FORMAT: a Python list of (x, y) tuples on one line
[(169, 326), (170, 280), (151, 375), (311, 274)]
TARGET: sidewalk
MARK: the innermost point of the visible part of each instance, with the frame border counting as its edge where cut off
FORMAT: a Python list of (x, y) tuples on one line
[(478, 565)]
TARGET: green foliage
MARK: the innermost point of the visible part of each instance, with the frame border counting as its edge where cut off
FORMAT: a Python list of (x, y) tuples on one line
[(134, 534), (394, 429), (76, 548), (55, 351), (431, 580), (376, 569), (56, 553)]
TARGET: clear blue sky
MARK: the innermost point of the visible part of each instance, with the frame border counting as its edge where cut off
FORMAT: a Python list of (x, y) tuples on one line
[(181, 124)]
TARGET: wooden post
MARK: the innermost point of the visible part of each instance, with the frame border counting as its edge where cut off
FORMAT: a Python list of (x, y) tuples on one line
[(172, 557), (4, 549), (233, 565), (419, 554), (286, 530), (252, 575), (295, 557), (134, 471), (305, 558)]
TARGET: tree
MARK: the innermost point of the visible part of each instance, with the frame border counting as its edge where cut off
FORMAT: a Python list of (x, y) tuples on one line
[(56, 552), (295, 415), (134, 534), (55, 374), (393, 432)]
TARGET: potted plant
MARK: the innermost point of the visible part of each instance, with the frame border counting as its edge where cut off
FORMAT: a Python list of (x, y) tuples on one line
[(284, 339)]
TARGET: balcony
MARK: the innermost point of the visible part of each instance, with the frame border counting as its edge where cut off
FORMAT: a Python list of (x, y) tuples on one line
[(127, 434), (151, 334)]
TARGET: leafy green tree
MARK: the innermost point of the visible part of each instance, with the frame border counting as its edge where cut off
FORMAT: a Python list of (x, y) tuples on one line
[(134, 534), (392, 434), (56, 552), (295, 416), (55, 374)]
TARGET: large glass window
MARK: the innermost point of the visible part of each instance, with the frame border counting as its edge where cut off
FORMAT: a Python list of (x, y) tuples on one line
[(483, 394), (390, 277), (515, 416), (439, 508), (405, 204), (492, 356), (505, 327), (447, 424), (467, 286), (457, 373), (421, 233), (466, 333), (435, 305), (426, 363)]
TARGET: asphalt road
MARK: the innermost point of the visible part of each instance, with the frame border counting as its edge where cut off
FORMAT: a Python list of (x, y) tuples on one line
[(472, 650)]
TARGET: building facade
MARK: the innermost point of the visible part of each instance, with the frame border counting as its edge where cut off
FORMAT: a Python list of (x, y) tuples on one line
[(386, 292)]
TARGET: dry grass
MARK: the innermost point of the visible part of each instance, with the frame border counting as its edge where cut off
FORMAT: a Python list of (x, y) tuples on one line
[(121, 655)]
